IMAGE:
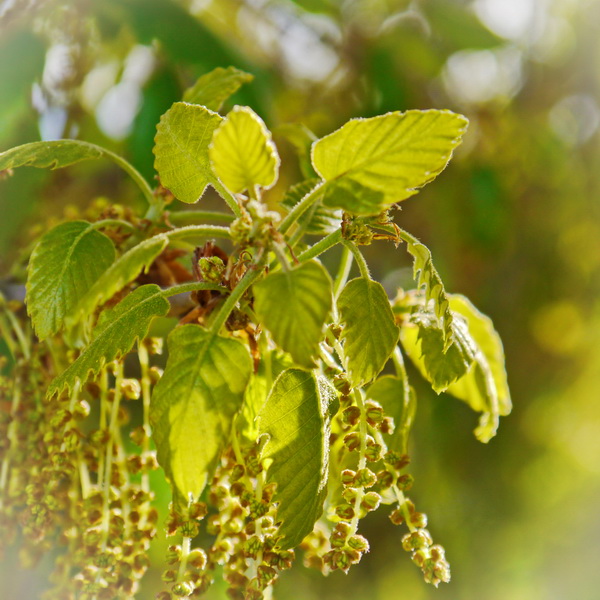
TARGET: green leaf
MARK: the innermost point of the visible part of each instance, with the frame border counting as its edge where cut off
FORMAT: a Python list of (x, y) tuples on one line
[(353, 197), (63, 266), (181, 150), (399, 402), (213, 88), (427, 278), (194, 403), (484, 388), (293, 305), (393, 154), (123, 271), (272, 363), (242, 152), (318, 219), (295, 417), (370, 333), (114, 336), (49, 155), (424, 345)]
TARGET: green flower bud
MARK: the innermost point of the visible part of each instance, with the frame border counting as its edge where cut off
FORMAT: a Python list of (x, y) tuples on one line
[(365, 478), (371, 501), (345, 512), (359, 543), (131, 389), (351, 415), (348, 477)]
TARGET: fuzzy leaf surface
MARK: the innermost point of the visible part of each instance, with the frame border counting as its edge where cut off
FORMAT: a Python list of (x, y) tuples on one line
[(116, 333), (293, 305), (353, 197), (295, 419), (428, 279), (370, 333), (49, 155), (318, 219), (424, 344), (242, 152), (399, 402), (484, 387), (181, 150), (123, 271), (393, 154), (194, 403), (215, 87), (63, 267)]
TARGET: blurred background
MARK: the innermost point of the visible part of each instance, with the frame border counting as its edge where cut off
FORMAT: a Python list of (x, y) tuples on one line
[(513, 223)]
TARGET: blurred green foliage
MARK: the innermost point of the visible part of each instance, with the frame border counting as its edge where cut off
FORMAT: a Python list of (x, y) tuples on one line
[(514, 223)]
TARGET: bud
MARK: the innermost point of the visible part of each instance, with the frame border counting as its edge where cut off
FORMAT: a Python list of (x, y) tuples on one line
[(371, 501), (352, 441), (373, 452), (348, 477), (387, 425), (405, 482), (351, 415), (131, 389), (375, 414), (385, 479), (169, 576), (182, 589), (365, 478), (419, 519), (154, 345), (345, 512), (197, 558), (359, 543), (237, 472), (396, 517)]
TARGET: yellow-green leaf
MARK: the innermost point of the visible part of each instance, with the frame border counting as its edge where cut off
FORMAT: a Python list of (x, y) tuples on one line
[(213, 88), (485, 387), (392, 154), (242, 152), (370, 333), (296, 419), (293, 305), (181, 150), (194, 403), (116, 333), (64, 265)]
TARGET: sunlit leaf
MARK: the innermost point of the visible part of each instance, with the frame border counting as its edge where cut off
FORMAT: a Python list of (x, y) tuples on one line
[(215, 87), (293, 305), (49, 155), (295, 417), (63, 267), (399, 402), (370, 333), (123, 271), (272, 363), (318, 219), (181, 150), (424, 344), (242, 152), (485, 386), (114, 336), (427, 278), (353, 197), (194, 403), (392, 154)]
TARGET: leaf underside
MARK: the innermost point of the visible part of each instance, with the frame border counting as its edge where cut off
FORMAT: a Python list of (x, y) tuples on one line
[(242, 152), (117, 331), (294, 419), (194, 403), (370, 333), (318, 219), (214, 88), (293, 305), (123, 271)]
